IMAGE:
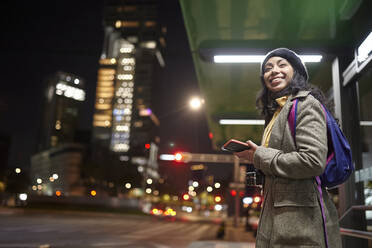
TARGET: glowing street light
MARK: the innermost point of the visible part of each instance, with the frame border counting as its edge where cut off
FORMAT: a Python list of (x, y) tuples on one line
[(23, 197), (259, 58), (217, 185), (209, 189), (195, 103), (17, 170)]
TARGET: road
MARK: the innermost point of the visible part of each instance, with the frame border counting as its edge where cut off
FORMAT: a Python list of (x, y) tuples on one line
[(59, 229)]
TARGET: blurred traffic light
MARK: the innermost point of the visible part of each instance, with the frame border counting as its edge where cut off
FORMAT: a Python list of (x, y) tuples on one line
[(93, 193), (210, 135), (147, 146), (233, 192), (178, 157), (257, 199), (217, 198), (186, 197)]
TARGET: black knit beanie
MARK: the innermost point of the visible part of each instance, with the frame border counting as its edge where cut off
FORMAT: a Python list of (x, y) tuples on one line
[(289, 55)]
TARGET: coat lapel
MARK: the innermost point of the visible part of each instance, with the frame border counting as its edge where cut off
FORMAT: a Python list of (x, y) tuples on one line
[(279, 126)]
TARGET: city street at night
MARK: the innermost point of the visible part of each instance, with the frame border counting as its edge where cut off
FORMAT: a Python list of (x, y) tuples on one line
[(186, 124), (46, 228)]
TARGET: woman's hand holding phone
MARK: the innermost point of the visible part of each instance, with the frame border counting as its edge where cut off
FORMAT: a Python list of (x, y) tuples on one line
[(247, 154)]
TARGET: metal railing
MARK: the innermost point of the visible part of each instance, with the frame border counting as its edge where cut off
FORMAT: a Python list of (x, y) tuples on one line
[(353, 232)]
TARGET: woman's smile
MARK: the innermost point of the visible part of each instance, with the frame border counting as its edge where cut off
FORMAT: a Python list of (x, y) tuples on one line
[(278, 74)]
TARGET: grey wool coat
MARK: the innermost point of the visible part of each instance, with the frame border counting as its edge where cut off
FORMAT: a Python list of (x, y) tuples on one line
[(291, 212)]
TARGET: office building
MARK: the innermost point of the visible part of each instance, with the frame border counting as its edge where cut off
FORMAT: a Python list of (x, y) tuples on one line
[(64, 93), (124, 120), (55, 169)]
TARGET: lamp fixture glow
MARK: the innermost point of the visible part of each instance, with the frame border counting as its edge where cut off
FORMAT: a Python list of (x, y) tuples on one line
[(241, 122), (366, 123), (259, 58), (23, 197), (195, 103), (365, 48), (167, 157), (247, 200)]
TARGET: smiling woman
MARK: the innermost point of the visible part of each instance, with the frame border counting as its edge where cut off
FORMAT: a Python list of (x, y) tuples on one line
[(292, 215), (277, 73)]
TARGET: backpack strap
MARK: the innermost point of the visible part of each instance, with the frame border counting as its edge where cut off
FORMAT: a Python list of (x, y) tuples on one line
[(292, 119), (292, 125), (319, 187)]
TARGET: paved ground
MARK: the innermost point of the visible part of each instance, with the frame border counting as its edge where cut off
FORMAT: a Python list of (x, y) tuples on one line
[(57, 229)]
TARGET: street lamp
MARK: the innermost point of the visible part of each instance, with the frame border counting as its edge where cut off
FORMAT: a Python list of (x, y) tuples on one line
[(195, 103)]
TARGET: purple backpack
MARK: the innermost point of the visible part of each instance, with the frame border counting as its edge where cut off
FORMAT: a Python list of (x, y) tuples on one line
[(339, 164)]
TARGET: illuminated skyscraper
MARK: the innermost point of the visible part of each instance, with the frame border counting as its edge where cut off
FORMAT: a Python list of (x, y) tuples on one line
[(64, 93), (56, 167), (124, 120)]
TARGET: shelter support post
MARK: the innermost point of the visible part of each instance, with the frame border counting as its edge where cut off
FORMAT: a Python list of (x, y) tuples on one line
[(346, 101)]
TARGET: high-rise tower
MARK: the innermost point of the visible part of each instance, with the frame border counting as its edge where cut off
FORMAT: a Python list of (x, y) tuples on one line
[(64, 94), (124, 120), (57, 165)]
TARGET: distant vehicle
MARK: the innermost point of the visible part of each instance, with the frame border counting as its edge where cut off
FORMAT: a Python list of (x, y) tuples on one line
[(160, 212)]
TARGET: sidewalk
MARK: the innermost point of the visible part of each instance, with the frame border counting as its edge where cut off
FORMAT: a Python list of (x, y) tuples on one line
[(235, 237), (237, 234)]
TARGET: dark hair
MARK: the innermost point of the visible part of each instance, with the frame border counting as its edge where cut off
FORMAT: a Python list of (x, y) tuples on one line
[(265, 100)]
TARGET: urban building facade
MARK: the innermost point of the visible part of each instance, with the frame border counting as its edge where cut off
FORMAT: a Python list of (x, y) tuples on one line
[(124, 120), (55, 169), (64, 93)]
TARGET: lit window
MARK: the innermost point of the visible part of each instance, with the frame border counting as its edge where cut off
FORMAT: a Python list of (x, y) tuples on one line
[(126, 50), (58, 125), (130, 24), (150, 24), (118, 24), (128, 61)]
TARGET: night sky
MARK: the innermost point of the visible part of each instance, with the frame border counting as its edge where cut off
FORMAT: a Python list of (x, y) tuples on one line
[(40, 38)]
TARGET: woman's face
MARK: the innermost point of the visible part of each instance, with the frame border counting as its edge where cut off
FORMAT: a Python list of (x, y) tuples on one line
[(278, 73)]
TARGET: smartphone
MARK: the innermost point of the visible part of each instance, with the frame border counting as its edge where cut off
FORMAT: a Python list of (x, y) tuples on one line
[(235, 146)]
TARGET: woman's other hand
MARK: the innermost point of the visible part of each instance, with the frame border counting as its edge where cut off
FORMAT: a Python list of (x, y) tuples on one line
[(248, 154)]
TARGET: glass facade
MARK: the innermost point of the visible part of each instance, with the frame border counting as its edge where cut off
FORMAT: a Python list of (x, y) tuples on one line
[(131, 54)]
